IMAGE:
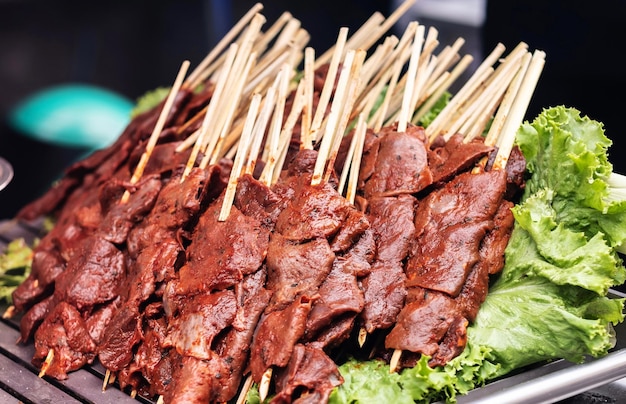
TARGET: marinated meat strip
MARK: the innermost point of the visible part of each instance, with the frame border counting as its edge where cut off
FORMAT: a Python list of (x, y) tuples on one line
[(94, 277), (222, 253), (313, 212), (300, 261), (450, 225), (276, 335), (223, 278), (196, 380), (258, 200), (234, 347), (155, 244), (339, 295), (296, 269), (423, 322), (199, 321), (34, 316), (400, 163), (63, 331), (391, 220), (462, 230), (455, 156), (310, 377), (491, 262)]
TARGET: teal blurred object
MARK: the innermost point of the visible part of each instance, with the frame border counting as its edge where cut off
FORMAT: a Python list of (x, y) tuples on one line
[(73, 115)]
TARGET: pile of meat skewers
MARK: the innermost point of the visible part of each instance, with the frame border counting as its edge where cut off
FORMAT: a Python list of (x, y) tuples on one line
[(233, 234)]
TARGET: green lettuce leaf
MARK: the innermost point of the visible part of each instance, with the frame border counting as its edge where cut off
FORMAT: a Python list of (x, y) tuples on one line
[(15, 264)]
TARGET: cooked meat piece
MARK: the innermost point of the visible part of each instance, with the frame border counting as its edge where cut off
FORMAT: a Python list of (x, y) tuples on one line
[(258, 201), (222, 253), (234, 348), (98, 319), (124, 331), (94, 277), (199, 321), (310, 377), (384, 292), (453, 343), (491, 261), (336, 333), (296, 269), (314, 211), (34, 316), (401, 165), (119, 218), (64, 332), (355, 225), (196, 381), (455, 157), (422, 324), (276, 335), (152, 360), (339, 294), (450, 225), (391, 220)]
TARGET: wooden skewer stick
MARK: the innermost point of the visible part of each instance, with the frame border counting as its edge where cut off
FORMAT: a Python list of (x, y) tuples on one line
[(105, 382), (374, 72), (386, 25), (333, 119), (309, 61), (210, 113), (238, 163), (492, 97), (455, 106), (374, 20), (346, 111), (214, 151), (9, 312), (272, 147), (260, 127), (485, 99), (350, 172), (154, 137), (406, 111), (286, 133), (395, 360), (518, 109), (264, 384), (505, 106), (241, 399), (454, 75), (379, 118), (46, 363), (273, 31), (221, 45), (329, 82)]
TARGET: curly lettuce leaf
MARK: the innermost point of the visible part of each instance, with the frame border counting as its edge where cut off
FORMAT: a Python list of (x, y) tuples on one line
[(149, 100), (15, 264), (550, 300), (371, 381)]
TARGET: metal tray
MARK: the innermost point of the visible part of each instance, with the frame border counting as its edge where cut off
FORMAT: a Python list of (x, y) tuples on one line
[(600, 380)]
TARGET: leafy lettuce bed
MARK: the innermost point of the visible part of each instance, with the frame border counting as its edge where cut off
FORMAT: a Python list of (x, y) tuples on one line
[(550, 301)]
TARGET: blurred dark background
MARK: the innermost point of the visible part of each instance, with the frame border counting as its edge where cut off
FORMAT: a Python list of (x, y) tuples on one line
[(130, 47)]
